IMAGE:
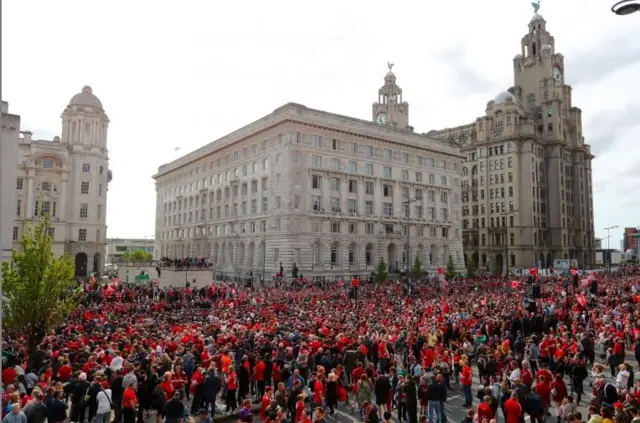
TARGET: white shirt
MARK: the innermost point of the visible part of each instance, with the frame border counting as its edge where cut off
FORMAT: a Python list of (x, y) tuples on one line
[(104, 401), (622, 378), (515, 374)]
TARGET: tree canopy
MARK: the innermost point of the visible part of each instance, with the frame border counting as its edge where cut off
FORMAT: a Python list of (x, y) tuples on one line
[(417, 270), (137, 255), (451, 269), (381, 272), (37, 288)]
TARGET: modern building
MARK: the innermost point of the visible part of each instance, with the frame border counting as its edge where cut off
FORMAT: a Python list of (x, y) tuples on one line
[(67, 179), (324, 191), (8, 174), (526, 181), (116, 247)]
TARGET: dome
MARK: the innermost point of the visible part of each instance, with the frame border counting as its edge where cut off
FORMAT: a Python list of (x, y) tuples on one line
[(504, 97), (537, 17), (86, 98)]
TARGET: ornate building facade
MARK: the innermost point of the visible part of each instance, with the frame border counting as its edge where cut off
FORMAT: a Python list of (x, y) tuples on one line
[(67, 179), (526, 181), (8, 172), (329, 193)]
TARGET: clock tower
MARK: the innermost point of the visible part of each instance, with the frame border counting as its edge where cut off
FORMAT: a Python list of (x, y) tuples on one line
[(539, 79), (390, 109)]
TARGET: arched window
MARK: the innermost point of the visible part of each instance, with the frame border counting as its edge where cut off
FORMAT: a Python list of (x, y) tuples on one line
[(352, 254), (317, 254), (512, 239), (335, 254), (368, 255)]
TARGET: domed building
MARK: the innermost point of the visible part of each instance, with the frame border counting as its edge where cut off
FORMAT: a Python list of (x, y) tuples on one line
[(67, 178), (526, 184)]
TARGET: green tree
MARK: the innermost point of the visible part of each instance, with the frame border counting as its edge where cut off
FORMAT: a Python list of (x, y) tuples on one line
[(37, 288), (472, 267), (381, 271), (127, 256), (417, 269), (141, 255), (451, 269)]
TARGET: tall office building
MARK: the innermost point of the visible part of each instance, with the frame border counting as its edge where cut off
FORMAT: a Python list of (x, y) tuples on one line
[(327, 192), (526, 181)]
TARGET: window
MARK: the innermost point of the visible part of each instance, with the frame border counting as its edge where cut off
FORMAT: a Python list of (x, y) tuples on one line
[(352, 206), (52, 232), (368, 188), (387, 172), (84, 188), (265, 164), (19, 207), (19, 183), (405, 175), (316, 203), (368, 207), (316, 141), (387, 209), (84, 210), (388, 154), (335, 227), (316, 226), (335, 204), (334, 184), (353, 228), (265, 185), (368, 151), (265, 204), (99, 190), (352, 167), (48, 163), (405, 157), (316, 161), (445, 232), (444, 198), (15, 233), (353, 148), (418, 176), (335, 164), (297, 136), (278, 202), (368, 169), (335, 254), (316, 182), (86, 167), (387, 190), (82, 235), (368, 228), (353, 186), (352, 255), (335, 144), (99, 212), (46, 186)]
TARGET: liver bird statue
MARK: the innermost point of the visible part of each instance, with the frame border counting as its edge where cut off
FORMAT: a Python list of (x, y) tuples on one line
[(536, 6)]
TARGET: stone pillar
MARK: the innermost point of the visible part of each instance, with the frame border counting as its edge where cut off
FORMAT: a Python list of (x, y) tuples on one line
[(30, 195), (63, 198)]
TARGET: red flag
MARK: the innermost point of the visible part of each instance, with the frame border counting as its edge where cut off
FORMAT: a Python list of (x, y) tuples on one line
[(440, 270), (581, 300), (515, 284)]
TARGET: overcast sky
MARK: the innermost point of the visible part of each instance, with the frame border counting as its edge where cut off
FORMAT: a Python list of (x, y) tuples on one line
[(181, 74)]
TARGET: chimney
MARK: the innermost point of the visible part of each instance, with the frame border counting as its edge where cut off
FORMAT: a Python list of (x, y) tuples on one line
[(26, 136)]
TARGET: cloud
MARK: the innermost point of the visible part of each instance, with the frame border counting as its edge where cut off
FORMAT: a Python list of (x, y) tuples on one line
[(468, 80), (606, 127), (600, 61)]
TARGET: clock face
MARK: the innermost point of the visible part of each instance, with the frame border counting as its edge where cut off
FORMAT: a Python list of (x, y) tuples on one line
[(381, 118), (557, 77)]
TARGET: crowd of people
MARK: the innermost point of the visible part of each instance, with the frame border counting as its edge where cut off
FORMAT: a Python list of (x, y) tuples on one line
[(185, 263), (300, 352)]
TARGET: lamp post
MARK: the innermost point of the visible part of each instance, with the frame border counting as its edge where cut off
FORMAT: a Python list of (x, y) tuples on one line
[(609, 244), (626, 7), (407, 204)]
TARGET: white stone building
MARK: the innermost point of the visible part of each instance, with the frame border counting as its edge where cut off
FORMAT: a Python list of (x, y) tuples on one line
[(116, 247), (8, 171), (321, 190), (67, 178)]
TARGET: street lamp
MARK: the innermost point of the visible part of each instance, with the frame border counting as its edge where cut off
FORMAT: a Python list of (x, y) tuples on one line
[(609, 244), (626, 7), (408, 203)]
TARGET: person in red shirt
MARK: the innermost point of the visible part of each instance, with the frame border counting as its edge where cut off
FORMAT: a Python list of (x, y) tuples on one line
[(512, 409), (466, 379), (319, 391), (65, 371), (484, 409), (265, 403), (299, 409), (129, 404), (178, 379), (232, 386), (167, 386), (258, 373), (355, 376), (9, 374)]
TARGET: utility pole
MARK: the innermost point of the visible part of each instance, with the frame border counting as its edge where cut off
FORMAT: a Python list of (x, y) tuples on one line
[(609, 245), (407, 204)]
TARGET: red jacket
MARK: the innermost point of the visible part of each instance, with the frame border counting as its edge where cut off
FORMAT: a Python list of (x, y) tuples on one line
[(513, 411)]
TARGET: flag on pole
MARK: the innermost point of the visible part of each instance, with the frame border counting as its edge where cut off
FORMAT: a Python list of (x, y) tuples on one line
[(176, 149)]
